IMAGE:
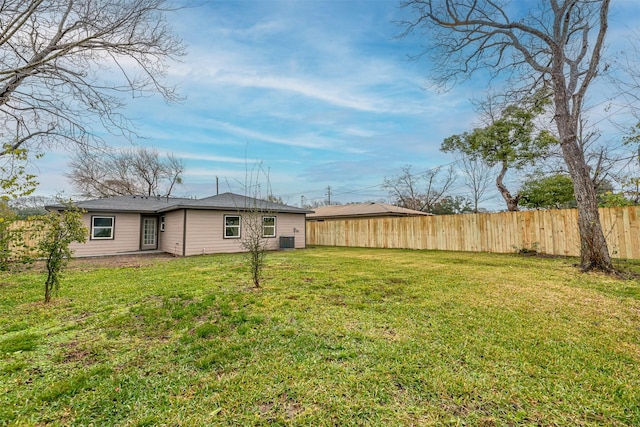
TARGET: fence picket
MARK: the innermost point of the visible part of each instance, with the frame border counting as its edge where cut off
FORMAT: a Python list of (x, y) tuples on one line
[(553, 232)]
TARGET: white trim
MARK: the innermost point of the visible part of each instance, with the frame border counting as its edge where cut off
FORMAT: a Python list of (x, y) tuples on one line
[(112, 227), (233, 226), (274, 226)]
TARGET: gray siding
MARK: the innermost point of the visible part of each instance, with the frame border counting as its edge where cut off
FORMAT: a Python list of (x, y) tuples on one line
[(126, 235)]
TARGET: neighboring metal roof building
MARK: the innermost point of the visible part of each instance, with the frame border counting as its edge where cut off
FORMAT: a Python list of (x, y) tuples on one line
[(361, 210), (155, 204)]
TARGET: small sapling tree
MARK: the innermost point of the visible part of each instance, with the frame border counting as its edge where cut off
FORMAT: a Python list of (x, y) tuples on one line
[(254, 242), (60, 230), (255, 214)]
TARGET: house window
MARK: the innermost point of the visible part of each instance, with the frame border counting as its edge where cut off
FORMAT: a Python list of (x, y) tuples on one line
[(102, 227), (232, 227), (268, 226)]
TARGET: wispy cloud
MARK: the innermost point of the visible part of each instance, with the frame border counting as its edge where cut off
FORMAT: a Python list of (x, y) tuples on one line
[(304, 88), (252, 134), (211, 158)]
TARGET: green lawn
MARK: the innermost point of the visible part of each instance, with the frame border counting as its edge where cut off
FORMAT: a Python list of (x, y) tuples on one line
[(334, 337)]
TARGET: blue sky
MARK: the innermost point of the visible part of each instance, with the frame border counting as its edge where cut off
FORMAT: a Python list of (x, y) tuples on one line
[(320, 91)]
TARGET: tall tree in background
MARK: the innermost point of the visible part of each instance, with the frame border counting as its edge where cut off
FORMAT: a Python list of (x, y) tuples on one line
[(510, 141), (97, 174), (420, 192), (555, 44), (65, 64)]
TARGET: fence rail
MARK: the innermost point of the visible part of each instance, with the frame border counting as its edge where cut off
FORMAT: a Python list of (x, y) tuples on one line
[(552, 232)]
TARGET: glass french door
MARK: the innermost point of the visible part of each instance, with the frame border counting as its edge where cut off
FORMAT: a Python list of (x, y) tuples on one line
[(149, 233)]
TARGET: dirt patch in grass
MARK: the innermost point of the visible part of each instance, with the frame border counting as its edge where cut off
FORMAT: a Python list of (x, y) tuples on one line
[(131, 260), (108, 261), (75, 354)]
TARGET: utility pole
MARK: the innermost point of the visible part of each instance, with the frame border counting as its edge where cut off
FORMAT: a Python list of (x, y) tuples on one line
[(302, 201), (328, 194)]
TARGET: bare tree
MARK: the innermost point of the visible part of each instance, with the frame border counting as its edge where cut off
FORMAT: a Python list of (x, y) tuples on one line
[(420, 192), (135, 171), (253, 240), (65, 64), (477, 176), (254, 212), (556, 44)]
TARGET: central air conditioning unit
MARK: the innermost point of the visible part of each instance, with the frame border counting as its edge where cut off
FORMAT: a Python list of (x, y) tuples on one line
[(287, 242)]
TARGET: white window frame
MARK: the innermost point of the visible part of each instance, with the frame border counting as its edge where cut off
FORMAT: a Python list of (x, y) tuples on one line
[(101, 227), (264, 234), (239, 227)]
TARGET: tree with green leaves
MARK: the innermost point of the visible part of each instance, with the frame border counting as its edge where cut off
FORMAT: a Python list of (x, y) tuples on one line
[(611, 199), (554, 45), (510, 141), (548, 192), (60, 230), (452, 205)]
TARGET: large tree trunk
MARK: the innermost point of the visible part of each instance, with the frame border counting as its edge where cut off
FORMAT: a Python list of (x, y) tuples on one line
[(511, 201), (594, 253)]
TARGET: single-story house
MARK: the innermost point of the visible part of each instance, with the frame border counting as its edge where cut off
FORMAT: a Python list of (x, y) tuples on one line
[(360, 211), (184, 227)]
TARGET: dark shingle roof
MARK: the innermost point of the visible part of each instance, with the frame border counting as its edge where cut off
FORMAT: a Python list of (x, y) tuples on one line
[(231, 201), (362, 210), (153, 204)]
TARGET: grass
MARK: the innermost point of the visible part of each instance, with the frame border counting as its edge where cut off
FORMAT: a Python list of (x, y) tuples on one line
[(334, 337)]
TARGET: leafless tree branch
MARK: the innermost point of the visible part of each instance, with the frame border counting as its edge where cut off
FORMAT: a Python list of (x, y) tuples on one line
[(65, 64), (102, 173)]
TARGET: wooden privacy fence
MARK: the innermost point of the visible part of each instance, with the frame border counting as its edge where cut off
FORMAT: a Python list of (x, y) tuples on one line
[(31, 233), (547, 231)]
